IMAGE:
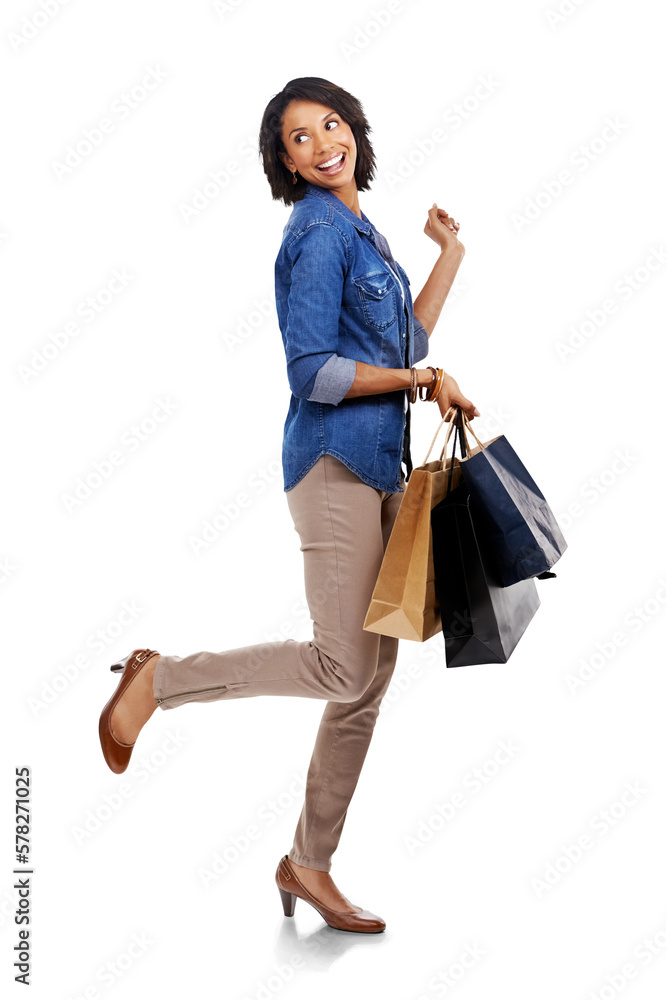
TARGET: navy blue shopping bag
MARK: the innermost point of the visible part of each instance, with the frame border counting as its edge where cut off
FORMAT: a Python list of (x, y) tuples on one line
[(482, 620), (523, 538)]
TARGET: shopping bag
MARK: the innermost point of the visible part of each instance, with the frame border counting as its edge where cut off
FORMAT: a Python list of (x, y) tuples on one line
[(482, 620), (523, 537), (404, 600)]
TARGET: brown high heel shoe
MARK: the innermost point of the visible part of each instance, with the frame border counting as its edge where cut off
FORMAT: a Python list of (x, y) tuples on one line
[(291, 889), (117, 754)]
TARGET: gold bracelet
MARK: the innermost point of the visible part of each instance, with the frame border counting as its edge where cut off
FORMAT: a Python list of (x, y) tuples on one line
[(441, 383), (413, 385), (433, 385), (428, 388), (438, 385)]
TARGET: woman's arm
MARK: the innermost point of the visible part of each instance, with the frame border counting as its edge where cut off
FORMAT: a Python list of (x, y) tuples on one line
[(317, 259), (371, 379), (428, 303), (443, 229)]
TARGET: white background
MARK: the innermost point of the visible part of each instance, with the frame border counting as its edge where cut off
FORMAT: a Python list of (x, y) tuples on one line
[(585, 422)]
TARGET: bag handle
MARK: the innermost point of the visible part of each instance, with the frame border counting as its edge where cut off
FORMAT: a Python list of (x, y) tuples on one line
[(462, 424), (446, 439), (467, 424), (462, 437), (456, 438)]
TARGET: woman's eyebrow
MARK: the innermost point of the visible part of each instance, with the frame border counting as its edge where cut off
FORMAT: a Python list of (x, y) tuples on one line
[(305, 126)]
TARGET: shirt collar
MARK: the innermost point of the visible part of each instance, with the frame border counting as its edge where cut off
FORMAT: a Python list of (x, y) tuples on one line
[(363, 225)]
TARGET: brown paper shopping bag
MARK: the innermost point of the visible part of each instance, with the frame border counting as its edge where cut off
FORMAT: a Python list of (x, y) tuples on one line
[(404, 601)]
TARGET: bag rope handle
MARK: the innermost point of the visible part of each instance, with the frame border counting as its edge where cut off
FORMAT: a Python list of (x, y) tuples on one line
[(446, 439), (468, 426), (457, 439)]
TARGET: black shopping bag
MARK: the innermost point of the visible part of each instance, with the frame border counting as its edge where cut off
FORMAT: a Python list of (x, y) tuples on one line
[(482, 620), (523, 537)]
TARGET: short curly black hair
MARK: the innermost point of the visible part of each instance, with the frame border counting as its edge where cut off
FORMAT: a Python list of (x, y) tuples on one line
[(320, 91)]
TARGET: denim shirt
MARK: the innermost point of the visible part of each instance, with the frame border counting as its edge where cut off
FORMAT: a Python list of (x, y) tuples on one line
[(342, 298)]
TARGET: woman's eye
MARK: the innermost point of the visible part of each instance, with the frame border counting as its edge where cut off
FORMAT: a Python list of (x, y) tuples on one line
[(302, 135)]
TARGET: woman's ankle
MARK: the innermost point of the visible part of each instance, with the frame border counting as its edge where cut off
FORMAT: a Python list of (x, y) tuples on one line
[(306, 868)]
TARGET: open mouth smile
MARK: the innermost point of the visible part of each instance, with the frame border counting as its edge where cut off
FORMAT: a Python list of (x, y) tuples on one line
[(333, 165)]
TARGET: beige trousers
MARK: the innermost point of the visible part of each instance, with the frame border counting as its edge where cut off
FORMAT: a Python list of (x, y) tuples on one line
[(344, 526)]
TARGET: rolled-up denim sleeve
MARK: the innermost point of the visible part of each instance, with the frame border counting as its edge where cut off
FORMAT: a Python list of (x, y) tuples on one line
[(315, 371), (421, 342), (333, 380)]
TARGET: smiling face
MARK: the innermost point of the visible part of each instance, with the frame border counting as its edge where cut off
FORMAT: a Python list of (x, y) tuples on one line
[(313, 135)]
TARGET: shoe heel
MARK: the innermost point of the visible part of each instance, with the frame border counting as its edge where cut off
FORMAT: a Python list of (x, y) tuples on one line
[(288, 902), (141, 656), (119, 666)]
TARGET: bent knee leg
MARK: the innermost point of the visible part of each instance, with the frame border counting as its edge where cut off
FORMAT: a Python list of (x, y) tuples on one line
[(347, 680)]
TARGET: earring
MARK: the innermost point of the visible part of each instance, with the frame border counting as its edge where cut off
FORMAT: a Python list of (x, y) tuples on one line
[(294, 180)]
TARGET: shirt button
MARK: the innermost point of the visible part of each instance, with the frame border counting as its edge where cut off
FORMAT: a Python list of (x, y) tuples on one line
[(404, 335)]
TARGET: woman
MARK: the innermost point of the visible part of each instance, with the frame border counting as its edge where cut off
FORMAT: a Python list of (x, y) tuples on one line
[(350, 337)]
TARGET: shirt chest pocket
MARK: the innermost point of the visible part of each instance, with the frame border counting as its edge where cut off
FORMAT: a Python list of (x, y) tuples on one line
[(375, 292)]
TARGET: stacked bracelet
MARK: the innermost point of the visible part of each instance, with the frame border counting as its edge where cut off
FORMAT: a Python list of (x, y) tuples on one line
[(432, 391), (413, 385), (425, 390), (437, 387)]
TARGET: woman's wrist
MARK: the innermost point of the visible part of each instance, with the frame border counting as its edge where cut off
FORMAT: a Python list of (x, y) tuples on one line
[(425, 383), (423, 377), (453, 251), (370, 379)]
